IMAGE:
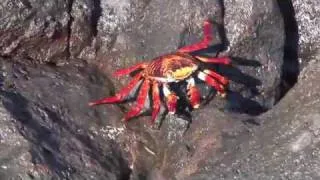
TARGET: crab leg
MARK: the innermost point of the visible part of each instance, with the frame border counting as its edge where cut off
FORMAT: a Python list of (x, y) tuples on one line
[(193, 93), (141, 99), (120, 96), (217, 76), (156, 100), (122, 72), (212, 82), (217, 60), (171, 99), (207, 30)]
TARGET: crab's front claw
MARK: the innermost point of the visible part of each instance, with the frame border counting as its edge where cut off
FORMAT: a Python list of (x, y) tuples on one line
[(194, 97), (172, 100), (193, 94)]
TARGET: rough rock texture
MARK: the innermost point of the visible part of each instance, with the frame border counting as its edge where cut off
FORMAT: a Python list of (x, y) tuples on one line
[(282, 143), (119, 34), (45, 119), (14, 157), (142, 30), (48, 132), (83, 28), (36, 30), (307, 14), (255, 31), (165, 26), (285, 145)]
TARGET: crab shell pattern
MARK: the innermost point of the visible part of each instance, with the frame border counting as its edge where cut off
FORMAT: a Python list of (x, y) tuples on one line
[(158, 74)]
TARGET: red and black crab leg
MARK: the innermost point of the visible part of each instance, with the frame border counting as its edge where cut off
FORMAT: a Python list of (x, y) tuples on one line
[(121, 95), (156, 100), (207, 39), (216, 60), (122, 72), (193, 93), (212, 82), (172, 99), (141, 99), (223, 80)]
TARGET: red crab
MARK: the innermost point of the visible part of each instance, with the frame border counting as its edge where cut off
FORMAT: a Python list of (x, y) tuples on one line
[(158, 74)]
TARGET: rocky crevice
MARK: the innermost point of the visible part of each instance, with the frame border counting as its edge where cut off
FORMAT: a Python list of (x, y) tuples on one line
[(95, 16), (290, 67), (69, 28)]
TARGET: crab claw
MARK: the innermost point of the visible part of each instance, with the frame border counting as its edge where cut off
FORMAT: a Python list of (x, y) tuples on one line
[(193, 93), (172, 99), (172, 103), (194, 96), (156, 101)]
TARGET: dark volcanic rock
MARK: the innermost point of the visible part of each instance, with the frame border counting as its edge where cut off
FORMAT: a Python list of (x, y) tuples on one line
[(45, 118), (255, 31), (48, 132), (282, 143), (15, 159), (286, 145), (82, 29), (142, 30), (256, 34), (35, 29), (120, 34)]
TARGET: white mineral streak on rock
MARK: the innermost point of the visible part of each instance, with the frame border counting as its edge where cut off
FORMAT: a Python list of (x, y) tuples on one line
[(302, 141), (111, 132)]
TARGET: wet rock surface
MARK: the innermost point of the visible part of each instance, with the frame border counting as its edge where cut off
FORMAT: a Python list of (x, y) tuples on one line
[(57, 56)]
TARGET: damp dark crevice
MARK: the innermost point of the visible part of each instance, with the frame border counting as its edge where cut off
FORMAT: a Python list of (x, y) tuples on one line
[(290, 68), (221, 30), (95, 16), (69, 27), (26, 3)]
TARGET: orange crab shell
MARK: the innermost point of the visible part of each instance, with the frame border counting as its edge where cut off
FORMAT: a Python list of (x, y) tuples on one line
[(171, 68)]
